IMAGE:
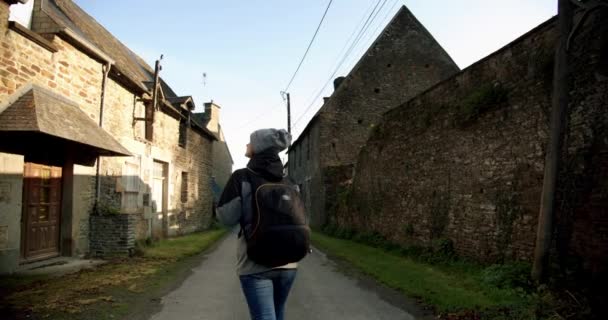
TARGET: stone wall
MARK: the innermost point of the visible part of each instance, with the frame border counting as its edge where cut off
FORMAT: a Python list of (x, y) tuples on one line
[(402, 62), (113, 235), (61, 67), (304, 170), (222, 159), (11, 186), (71, 74), (465, 159), (177, 216), (222, 162)]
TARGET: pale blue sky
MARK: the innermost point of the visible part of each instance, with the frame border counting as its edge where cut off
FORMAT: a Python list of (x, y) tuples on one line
[(250, 48)]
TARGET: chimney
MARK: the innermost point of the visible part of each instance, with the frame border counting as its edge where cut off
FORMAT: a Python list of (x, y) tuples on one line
[(212, 113), (338, 82)]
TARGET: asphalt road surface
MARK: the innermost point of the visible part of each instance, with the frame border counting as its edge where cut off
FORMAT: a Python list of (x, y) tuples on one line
[(213, 292)]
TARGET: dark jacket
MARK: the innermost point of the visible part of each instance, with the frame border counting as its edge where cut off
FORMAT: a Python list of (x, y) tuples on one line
[(235, 203)]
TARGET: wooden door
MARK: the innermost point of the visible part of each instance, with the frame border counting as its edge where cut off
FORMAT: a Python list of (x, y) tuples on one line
[(159, 194), (41, 211)]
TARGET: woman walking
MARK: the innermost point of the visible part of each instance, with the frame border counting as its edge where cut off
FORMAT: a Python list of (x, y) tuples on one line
[(273, 234)]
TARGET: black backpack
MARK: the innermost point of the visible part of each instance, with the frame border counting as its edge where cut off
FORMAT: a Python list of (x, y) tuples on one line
[(278, 233)]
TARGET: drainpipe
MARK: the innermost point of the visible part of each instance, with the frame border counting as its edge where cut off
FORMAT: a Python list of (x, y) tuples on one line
[(106, 70)]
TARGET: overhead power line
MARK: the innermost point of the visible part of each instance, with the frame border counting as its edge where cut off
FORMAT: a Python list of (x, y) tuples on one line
[(360, 34), (308, 48)]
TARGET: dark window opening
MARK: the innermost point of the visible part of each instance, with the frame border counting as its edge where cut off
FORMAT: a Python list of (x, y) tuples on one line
[(427, 65), (183, 133), (389, 65), (377, 90), (360, 121), (184, 190), (149, 122)]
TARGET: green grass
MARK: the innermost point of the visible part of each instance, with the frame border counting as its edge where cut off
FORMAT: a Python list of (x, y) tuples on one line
[(114, 290), (181, 247), (446, 288)]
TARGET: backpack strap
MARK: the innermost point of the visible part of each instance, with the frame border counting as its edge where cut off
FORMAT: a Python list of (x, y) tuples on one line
[(246, 203)]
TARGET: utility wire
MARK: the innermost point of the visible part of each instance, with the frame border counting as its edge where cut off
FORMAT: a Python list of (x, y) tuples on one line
[(341, 53), (383, 23), (368, 22), (371, 36), (362, 31), (339, 65), (308, 48)]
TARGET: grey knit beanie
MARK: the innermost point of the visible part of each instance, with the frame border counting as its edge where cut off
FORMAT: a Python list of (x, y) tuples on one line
[(269, 139)]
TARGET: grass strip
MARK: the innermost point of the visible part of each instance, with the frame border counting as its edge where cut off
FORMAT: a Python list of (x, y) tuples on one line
[(109, 291), (185, 246), (446, 289)]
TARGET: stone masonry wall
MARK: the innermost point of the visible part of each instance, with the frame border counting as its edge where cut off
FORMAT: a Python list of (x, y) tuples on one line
[(464, 160), (70, 73), (304, 170), (78, 77), (402, 62), (222, 162), (178, 217), (112, 235)]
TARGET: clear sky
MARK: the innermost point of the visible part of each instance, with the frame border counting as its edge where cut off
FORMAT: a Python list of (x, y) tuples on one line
[(249, 49)]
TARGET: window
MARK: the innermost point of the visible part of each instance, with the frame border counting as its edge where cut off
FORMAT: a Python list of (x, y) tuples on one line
[(130, 178), (184, 187), (183, 133), (149, 122)]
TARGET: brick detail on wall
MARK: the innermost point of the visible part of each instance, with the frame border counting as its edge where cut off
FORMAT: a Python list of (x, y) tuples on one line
[(112, 235)]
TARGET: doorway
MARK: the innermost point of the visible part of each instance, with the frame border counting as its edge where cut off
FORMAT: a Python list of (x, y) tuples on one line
[(159, 197), (41, 217)]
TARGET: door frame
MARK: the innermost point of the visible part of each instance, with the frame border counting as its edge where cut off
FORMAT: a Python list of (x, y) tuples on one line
[(23, 258), (165, 196)]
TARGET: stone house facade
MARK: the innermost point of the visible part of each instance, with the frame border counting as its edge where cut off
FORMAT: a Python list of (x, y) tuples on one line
[(222, 159), (403, 61), (94, 153)]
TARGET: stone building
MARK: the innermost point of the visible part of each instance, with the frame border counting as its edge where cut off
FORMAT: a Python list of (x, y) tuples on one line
[(222, 159), (95, 151), (403, 61), (463, 162)]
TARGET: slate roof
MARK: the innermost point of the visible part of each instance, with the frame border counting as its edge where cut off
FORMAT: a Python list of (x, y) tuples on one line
[(126, 63), (38, 110), (69, 15)]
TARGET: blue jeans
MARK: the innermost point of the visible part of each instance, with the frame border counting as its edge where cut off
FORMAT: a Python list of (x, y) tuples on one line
[(266, 293)]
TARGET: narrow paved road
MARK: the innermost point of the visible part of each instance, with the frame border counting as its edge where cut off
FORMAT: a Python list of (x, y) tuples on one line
[(213, 292)]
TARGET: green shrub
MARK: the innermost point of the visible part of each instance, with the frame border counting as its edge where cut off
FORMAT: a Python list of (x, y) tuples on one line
[(344, 233), (372, 238), (479, 101), (329, 229), (510, 275)]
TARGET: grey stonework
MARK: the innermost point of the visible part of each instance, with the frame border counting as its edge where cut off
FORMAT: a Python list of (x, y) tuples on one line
[(464, 160), (112, 235), (403, 61), (77, 75)]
